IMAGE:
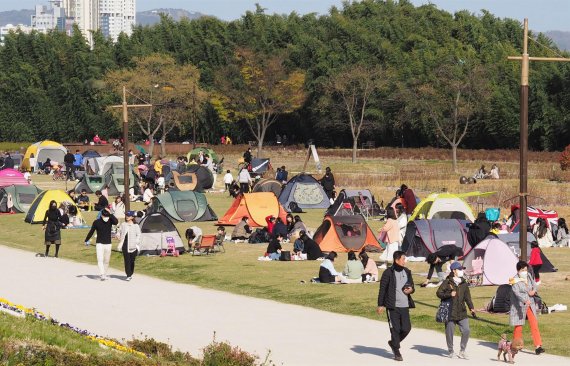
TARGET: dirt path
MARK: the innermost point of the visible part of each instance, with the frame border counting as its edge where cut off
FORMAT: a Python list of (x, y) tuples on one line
[(187, 316)]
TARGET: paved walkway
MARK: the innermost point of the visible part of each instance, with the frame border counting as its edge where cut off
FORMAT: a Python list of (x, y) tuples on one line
[(187, 316)]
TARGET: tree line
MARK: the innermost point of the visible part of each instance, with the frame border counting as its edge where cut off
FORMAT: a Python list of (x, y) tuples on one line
[(383, 71)]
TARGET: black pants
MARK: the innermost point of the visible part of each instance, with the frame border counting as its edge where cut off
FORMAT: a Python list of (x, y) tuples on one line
[(244, 187), (129, 260), (228, 186), (70, 168), (400, 325), (536, 270)]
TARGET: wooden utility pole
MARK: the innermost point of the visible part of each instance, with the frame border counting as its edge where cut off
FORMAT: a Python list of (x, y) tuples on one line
[(523, 175), (126, 167)]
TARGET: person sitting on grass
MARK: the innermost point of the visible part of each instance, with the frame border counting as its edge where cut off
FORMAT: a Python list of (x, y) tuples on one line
[(370, 273), (327, 273), (242, 230), (279, 228), (353, 269), (273, 251), (83, 200), (102, 203), (310, 247), (298, 248)]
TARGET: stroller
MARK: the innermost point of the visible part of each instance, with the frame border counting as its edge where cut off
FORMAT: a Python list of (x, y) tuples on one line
[(171, 249)]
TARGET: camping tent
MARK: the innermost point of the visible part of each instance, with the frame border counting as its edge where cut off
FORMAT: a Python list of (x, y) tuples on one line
[(156, 232), (193, 154), (88, 154), (41, 151), (492, 262), (512, 240), (268, 185), (347, 196), (204, 176), (113, 177), (260, 166), (10, 177), (345, 234), (40, 205), (90, 183), (184, 206), (257, 206), (181, 182), (427, 236), (533, 213), (304, 190), (100, 165), (17, 198), (446, 206)]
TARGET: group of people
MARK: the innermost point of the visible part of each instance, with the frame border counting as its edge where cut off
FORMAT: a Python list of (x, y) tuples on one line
[(363, 269), (482, 173)]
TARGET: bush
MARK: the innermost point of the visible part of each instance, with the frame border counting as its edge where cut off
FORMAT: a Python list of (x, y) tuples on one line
[(565, 158), (161, 351), (221, 353)]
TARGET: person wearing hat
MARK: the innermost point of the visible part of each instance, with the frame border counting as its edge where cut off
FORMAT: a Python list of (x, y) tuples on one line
[(103, 227), (456, 289), (129, 241)]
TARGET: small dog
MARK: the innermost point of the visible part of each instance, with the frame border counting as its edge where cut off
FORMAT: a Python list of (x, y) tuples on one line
[(509, 349)]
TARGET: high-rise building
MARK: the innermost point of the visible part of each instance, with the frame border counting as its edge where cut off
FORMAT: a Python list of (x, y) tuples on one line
[(47, 17), (116, 17), (87, 18)]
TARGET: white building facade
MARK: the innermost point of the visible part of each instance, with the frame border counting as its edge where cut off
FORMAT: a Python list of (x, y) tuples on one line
[(6, 29), (116, 17)]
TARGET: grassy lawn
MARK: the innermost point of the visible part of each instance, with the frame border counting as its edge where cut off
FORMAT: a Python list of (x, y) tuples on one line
[(238, 270)]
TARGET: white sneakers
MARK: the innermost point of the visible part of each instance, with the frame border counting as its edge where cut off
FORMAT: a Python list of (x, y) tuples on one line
[(431, 284), (462, 355), (129, 278)]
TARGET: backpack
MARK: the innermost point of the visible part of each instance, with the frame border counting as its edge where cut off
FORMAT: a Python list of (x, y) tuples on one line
[(501, 302), (285, 256), (294, 208)]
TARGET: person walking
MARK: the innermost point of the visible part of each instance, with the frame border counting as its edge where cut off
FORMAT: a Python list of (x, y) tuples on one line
[(129, 243), (69, 160), (103, 227), (523, 306), (244, 179), (455, 289), (328, 183), (52, 226), (394, 296)]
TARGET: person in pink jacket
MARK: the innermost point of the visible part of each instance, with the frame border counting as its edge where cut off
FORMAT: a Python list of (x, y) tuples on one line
[(390, 234), (370, 273)]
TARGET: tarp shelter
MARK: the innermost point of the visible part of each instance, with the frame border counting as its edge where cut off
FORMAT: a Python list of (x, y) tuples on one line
[(268, 185), (533, 213), (41, 151), (88, 154), (204, 175), (304, 190), (17, 198), (90, 183), (427, 236), (193, 154), (157, 231), (351, 197), (184, 206), (181, 182), (10, 177), (40, 205), (257, 206), (446, 206), (345, 234)]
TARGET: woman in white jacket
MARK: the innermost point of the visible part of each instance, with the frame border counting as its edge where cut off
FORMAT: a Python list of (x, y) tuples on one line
[(129, 242)]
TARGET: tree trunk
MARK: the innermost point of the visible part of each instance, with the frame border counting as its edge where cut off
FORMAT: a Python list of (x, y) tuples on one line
[(151, 146), (163, 145), (260, 141), (454, 157), (354, 149)]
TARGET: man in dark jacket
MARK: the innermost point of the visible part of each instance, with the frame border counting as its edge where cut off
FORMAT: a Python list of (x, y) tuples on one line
[(102, 203), (437, 259), (69, 159), (478, 230), (394, 296), (311, 248), (328, 183), (103, 226), (247, 156), (8, 162)]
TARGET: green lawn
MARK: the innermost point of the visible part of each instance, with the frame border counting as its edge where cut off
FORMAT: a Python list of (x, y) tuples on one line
[(238, 271)]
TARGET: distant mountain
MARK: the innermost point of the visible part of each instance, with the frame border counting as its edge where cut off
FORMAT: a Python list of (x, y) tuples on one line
[(151, 17), (148, 17), (561, 38), (16, 17)]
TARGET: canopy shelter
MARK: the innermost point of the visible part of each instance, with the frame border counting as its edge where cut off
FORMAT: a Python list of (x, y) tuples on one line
[(194, 153), (39, 152), (157, 231), (427, 236), (446, 206), (256, 206), (305, 191), (184, 206), (345, 234), (10, 177), (40, 205), (268, 185), (17, 198)]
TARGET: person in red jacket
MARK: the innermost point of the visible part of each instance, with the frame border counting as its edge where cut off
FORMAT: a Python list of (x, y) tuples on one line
[(409, 197), (270, 220), (535, 261)]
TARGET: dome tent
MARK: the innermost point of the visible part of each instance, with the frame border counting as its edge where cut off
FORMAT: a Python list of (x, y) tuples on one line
[(345, 234), (41, 151), (256, 206), (184, 206), (18, 198), (40, 205), (157, 231), (268, 185), (305, 191), (193, 154)]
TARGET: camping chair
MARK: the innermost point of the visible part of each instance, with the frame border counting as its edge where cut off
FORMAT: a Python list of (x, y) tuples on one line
[(474, 276), (205, 245), (363, 206), (346, 209)]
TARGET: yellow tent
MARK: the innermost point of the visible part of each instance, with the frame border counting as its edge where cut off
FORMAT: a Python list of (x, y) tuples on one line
[(39, 152), (40, 205), (446, 206)]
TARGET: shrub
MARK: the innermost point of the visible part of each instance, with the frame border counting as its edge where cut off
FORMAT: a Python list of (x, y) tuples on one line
[(221, 353), (565, 158), (161, 351)]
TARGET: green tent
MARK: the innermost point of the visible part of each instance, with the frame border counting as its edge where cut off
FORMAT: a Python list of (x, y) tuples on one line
[(184, 206), (207, 151), (90, 183), (17, 198)]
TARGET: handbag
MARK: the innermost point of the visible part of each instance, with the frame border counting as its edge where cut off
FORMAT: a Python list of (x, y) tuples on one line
[(285, 256), (443, 311)]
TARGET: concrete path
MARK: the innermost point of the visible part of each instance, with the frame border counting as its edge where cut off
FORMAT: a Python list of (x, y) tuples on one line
[(187, 317)]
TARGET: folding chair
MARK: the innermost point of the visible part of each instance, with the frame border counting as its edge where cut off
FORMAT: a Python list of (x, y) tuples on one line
[(205, 245), (363, 206), (346, 209)]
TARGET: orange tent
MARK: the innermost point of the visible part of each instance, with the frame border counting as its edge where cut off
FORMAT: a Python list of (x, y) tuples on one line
[(345, 234), (257, 206)]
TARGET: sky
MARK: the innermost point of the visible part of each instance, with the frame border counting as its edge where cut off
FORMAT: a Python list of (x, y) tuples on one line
[(543, 14)]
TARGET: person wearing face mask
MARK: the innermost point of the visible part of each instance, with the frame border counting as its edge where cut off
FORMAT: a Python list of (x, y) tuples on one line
[(129, 241), (103, 227), (524, 307), (52, 227), (455, 287)]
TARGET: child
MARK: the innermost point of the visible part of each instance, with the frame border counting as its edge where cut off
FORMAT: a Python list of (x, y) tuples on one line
[(535, 261), (160, 183), (220, 237), (228, 179)]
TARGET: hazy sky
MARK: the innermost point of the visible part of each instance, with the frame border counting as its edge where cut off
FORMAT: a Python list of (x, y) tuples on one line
[(543, 14)]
